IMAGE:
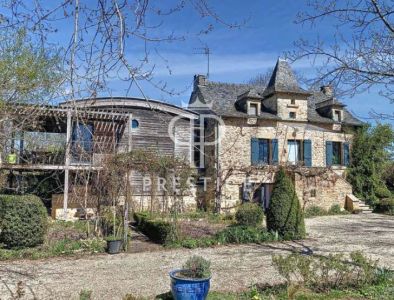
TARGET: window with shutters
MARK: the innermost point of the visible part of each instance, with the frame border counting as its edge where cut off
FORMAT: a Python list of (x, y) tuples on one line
[(299, 151), (264, 151), (337, 154), (294, 154)]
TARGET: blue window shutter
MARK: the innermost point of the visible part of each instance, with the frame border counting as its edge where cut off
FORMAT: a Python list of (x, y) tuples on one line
[(328, 153), (264, 151), (275, 150), (346, 154), (308, 153), (255, 151)]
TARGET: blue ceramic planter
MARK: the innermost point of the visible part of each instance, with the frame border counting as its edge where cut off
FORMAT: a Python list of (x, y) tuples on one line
[(189, 289)]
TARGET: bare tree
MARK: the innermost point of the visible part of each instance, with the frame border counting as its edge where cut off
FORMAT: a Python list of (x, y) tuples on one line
[(111, 39), (361, 56)]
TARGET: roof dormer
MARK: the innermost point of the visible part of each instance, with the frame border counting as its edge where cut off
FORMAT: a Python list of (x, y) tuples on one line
[(249, 102), (331, 107)]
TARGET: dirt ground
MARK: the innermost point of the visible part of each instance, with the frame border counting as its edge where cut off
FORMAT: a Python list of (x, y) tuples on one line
[(234, 267)]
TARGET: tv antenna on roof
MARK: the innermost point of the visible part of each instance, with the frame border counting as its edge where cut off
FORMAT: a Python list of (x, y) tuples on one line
[(205, 51)]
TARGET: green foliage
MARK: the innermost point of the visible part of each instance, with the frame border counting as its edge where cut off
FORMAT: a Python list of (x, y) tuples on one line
[(284, 213), (196, 267), (388, 174), (244, 235), (322, 274), (29, 73), (335, 209), (62, 247), (158, 231), (23, 221), (314, 211), (249, 214), (370, 155), (385, 206), (85, 295)]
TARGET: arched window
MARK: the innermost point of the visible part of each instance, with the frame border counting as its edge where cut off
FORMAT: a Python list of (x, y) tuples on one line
[(134, 124)]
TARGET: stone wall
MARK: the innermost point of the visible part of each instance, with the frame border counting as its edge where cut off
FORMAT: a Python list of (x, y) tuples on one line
[(236, 135), (324, 189), (235, 160)]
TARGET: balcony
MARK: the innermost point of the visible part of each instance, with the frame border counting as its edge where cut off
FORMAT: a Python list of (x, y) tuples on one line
[(44, 150)]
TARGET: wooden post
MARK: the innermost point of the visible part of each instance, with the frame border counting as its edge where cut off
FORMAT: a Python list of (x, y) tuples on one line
[(130, 133), (67, 163)]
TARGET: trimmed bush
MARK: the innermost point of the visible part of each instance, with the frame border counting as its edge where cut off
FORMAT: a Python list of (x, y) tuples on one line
[(284, 213), (249, 214), (23, 221), (243, 235), (159, 231), (314, 211)]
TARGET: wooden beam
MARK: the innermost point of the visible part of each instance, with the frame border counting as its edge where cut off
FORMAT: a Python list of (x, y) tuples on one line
[(67, 163)]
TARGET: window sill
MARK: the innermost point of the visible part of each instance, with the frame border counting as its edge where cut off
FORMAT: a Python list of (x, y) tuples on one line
[(292, 105)]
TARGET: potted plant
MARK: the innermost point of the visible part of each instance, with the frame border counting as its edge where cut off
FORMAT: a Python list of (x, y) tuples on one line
[(114, 244), (192, 281)]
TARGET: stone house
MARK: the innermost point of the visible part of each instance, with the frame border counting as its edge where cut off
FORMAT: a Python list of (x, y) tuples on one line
[(247, 131)]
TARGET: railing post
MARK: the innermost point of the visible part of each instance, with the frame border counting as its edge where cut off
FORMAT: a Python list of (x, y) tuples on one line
[(67, 164)]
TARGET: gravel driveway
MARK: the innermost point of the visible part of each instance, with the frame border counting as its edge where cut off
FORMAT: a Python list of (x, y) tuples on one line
[(234, 267)]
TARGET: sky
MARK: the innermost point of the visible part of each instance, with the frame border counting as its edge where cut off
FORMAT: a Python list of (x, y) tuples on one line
[(268, 30), (240, 54)]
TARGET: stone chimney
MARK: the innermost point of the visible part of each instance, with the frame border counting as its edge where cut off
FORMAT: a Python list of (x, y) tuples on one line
[(199, 80), (327, 90)]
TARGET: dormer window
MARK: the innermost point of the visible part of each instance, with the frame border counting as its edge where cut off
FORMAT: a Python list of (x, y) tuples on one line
[(253, 109), (337, 115)]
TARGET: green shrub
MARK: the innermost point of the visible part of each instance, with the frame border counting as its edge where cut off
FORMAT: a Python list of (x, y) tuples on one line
[(385, 206), (284, 213), (249, 214), (23, 221), (314, 211), (157, 230), (196, 267), (243, 235), (335, 209), (85, 295), (322, 273)]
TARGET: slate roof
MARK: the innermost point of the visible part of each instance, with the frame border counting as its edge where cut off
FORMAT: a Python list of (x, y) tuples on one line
[(220, 98), (283, 80)]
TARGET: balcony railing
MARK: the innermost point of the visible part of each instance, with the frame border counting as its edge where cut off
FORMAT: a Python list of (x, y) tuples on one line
[(53, 153)]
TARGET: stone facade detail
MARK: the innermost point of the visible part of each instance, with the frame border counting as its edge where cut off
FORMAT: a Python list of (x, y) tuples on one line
[(325, 187)]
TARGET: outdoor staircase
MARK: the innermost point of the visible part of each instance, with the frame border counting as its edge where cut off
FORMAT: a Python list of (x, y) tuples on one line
[(353, 203)]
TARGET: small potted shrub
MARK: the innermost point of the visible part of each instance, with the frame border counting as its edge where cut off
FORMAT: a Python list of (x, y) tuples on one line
[(114, 244), (192, 281)]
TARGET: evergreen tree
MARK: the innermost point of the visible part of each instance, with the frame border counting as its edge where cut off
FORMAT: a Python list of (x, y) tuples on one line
[(370, 156), (284, 213)]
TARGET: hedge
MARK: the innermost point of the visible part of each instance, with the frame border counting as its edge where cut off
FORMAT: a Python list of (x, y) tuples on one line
[(249, 214), (158, 231), (23, 221)]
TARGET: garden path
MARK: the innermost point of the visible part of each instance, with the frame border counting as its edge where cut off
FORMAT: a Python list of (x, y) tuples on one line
[(234, 267)]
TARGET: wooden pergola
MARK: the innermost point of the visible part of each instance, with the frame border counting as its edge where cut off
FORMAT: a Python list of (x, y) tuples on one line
[(105, 121)]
